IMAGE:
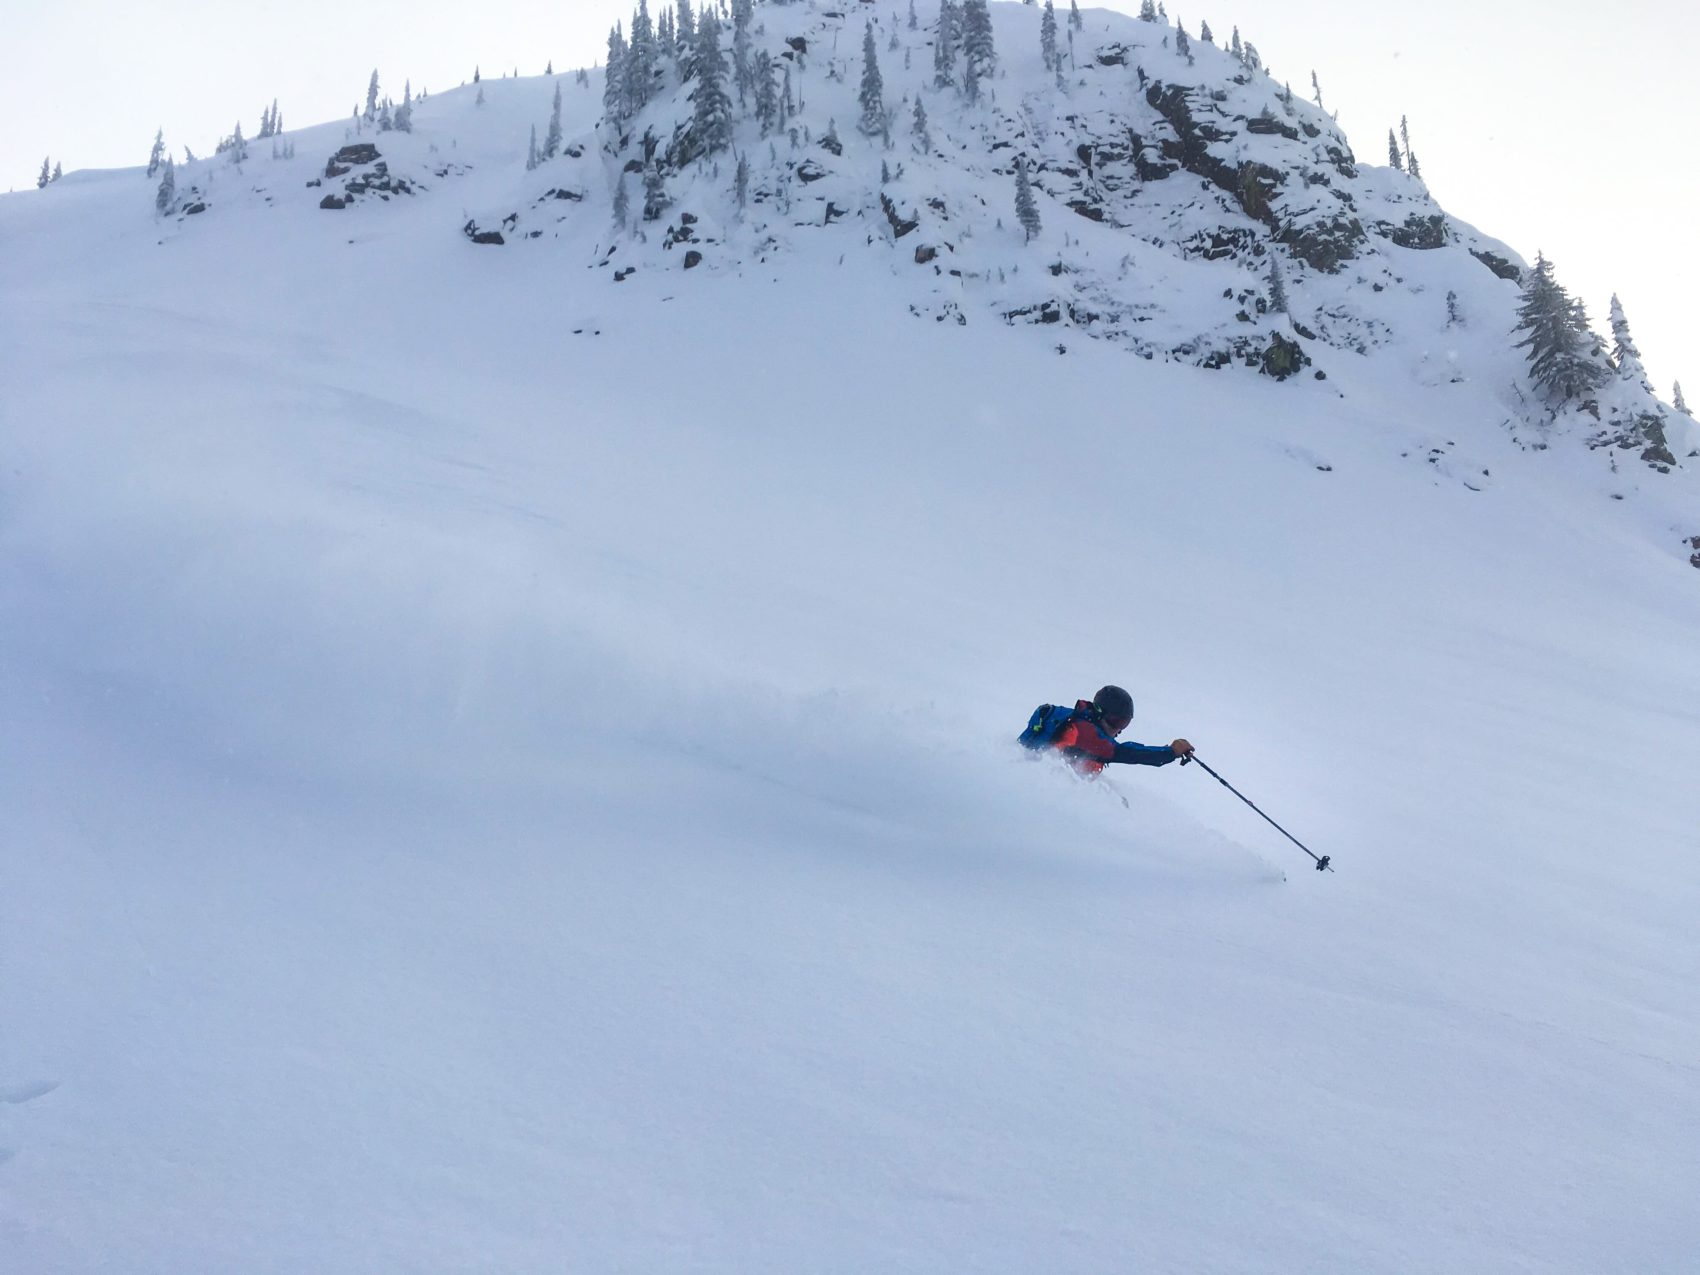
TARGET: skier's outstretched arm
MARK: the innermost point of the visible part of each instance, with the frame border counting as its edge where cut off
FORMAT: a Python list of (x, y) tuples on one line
[(1132, 754)]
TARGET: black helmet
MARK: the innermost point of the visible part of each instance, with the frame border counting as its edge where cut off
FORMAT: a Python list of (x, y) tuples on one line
[(1115, 707)]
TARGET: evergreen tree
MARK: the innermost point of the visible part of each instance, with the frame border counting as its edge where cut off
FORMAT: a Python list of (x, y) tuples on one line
[(59, 172), (1623, 352), (1048, 38), (1405, 134), (158, 154), (642, 63), (475, 75), (944, 46), (1677, 401), (385, 121), (1026, 208), (743, 14), (1074, 18), (1251, 57), (1411, 165), (712, 121), (531, 151), (1147, 11), (404, 112), (654, 192), (1205, 34), (479, 100), (685, 34), (1394, 158), (552, 139), (1183, 44), (741, 183), (914, 18), (1560, 343), (372, 98), (550, 69), (766, 79), (1316, 88), (1454, 316), (1235, 47), (872, 96), (165, 199), (1277, 286), (614, 85), (923, 137), (977, 50)]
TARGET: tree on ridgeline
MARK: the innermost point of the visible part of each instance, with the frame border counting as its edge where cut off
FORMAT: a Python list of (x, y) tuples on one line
[(1074, 19), (404, 112), (372, 98), (1183, 43), (1394, 158), (1678, 403), (165, 198), (1624, 354), (614, 79), (157, 156), (1147, 11), (552, 139), (1561, 346)]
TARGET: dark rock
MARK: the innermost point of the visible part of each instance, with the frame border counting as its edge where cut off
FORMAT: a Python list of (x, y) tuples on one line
[(196, 207), (1420, 232), (1087, 209), (1499, 265), (833, 213), (798, 44), (349, 157), (693, 259), (572, 196), (472, 232), (832, 145), (1112, 55), (315, 182), (1325, 245), (809, 171), (1283, 358), (687, 219), (333, 201), (900, 225), (620, 276), (1268, 126), (924, 254), (1694, 544), (575, 152), (633, 166)]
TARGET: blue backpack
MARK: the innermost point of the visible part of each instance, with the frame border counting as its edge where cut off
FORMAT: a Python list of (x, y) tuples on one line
[(1046, 722)]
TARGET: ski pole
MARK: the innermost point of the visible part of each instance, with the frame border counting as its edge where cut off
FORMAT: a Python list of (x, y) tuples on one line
[(1322, 861)]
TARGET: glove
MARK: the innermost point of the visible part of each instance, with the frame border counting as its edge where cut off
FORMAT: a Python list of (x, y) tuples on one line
[(1181, 748)]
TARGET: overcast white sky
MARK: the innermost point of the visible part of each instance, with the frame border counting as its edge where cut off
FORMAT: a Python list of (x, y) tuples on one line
[(1560, 125)]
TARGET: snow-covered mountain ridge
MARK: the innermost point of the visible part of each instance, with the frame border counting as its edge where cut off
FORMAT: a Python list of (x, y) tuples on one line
[(1171, 177)]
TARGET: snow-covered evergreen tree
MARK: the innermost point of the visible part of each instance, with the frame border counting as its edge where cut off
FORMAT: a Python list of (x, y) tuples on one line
[(1316, 88), (685, 32), (1048, 38), (1147, 11), (552, 139), (385, 120), (1250, 56), (944, 46), (157, 156), (712, 119), (614, 86), (654, 192), (1235, 47), (1394, 158), (872, 95), (531, 151), (59, 172), (1074, 19), (1624, 354), (743, 69), (1454, 316), (765, 84), (46, 174), (914, 18), (642, 63), (978, 51), (1559, 341), (372, 98), (1183, 43), (165, 199), (404, 112), (1678, 402), (923, 136), (1026, 207), (741, 183), (1411, 165)]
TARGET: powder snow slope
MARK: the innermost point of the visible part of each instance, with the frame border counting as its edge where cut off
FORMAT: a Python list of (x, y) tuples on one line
[(511, 771)]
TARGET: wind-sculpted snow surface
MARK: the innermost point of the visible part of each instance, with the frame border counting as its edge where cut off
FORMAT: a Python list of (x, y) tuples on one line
[(508, 771)]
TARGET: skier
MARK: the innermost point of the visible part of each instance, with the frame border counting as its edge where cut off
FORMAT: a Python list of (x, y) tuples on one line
[(1087, 736)]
